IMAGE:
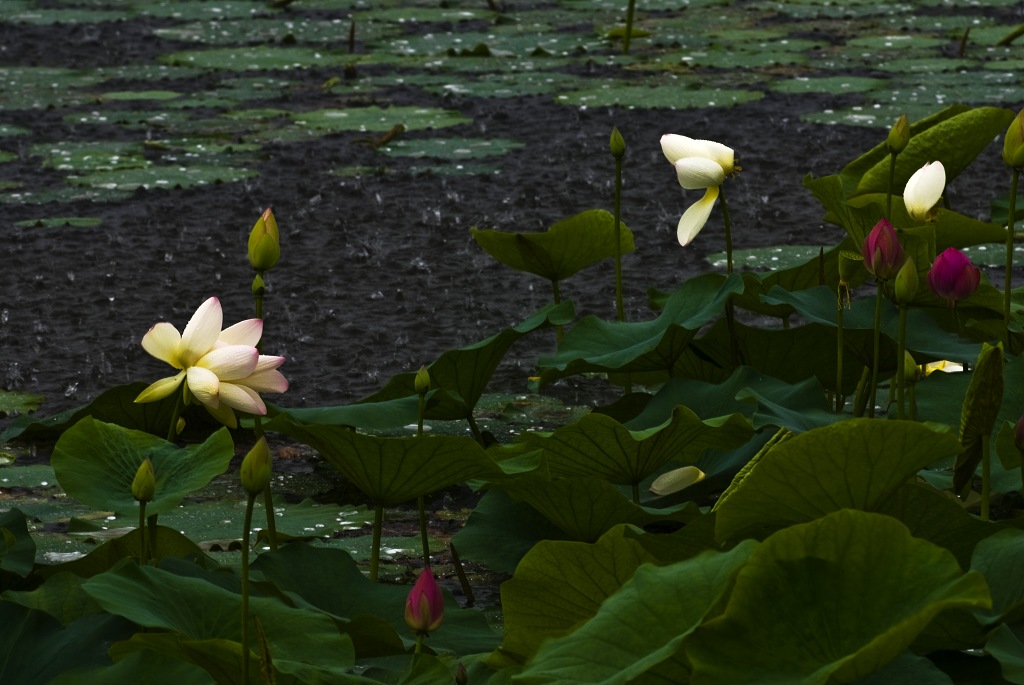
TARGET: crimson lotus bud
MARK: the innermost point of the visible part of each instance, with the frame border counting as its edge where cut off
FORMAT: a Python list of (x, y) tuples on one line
[(424, 609), (422, 381), (1013, 142), (882, 252), (617, 144), (255, 471), (906, 282), (144, 485), (1018, 434), (264, 243), (461, 675), (899, 135), (953, 277)]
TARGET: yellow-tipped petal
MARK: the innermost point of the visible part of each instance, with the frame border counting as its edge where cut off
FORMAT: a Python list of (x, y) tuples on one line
[(924, 189), (202, 331), (697, 172), (716, 152), (271, 380), (242, 398), (163, 341), (696, 216), (231, 362), (162, 388), (204, 386), (246, 332)]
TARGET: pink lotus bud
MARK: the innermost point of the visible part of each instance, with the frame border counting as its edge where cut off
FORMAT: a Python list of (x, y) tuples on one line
[(953, 277), (424, 609), (883, 254), (1018, 434)]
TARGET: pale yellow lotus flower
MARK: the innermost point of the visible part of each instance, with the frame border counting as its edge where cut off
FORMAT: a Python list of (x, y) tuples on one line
[(923, 191), (699, 164), (222, 369)]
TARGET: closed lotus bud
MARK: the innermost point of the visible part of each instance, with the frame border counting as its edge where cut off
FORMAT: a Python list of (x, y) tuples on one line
[(882, 252), (1013, 142), (144, 485), (617, 144), (424, 609), (258, 285), (255, 471), (849, 264), (1018, 434), (911, 372), (953, 277), (264, 243), (422, 381), (461, 675), (899, 135), (906, 282)]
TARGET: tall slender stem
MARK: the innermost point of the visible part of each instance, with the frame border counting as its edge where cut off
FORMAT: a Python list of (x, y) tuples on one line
[(378, 524), (728, 231), (268, 496), (143, 546), (172, 429), (629, 26), (986, 479), (557, 294), (620, 310), (840, 400), (875, 352), (245, 586), (901, 343), (421, 503), (892, 180), (1009, 253)]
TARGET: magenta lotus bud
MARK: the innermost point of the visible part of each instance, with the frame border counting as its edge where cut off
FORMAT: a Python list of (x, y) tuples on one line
[(883, 254), (953, 277), (424, 609), (1018, 434)]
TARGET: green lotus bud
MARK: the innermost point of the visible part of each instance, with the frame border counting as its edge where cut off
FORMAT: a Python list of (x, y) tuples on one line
[(258, 285), (1013, 142), (255, 471), (144, 485), (422, 382), (981, 409), (911, 372), (906, 282), (264, 243), (618, 145), (899, 135), (849, 264)]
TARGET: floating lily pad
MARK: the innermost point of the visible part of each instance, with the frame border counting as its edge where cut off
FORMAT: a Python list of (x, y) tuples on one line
[(257, 58), (451, 148), (161, 177), (9, 130), (90, 156), (650, 97), (377, 118), (141, 95), (828, 84), (769, 258), (57, 221)]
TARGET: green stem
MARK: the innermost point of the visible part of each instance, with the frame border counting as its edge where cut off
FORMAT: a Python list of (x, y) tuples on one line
[(901, 344), (419, 642), (876, 351), (247, 526), (986, 479), (475, 429), (730, 312), (728, 231), (840, 400), (620, 309), (467, 589), (143, 547), (636, 493), (1009, 253), (378, 524), (629, 26), (558, 298), (151, 522), (892, 180), (861, 394), (172, 430), (424, 540), (268, 496)]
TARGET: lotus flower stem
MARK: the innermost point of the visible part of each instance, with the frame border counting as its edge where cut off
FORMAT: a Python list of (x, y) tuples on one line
[(636, 493), (728, 231), (620, 310), (860, 396), (467, 589), (378, 524), (421, 504), (840, 399), (172, 429), (143, 545), (901, 361), (875, 353), (730, 315), (247, 526), (629, 26), (986, 479), (1009, 252), (892, 182), (557, 295)]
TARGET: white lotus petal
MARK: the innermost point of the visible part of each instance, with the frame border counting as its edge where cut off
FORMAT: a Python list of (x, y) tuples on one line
[(242, 398), (224, 414), (696, 216), (271, 380), (246, 332), (231, 362), (202, 331), (924, 189), (697, 172), (267, 362), (163, 341), (676, 147), (204, 386)]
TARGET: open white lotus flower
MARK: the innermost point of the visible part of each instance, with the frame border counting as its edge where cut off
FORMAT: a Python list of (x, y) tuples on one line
[(924, 190), (222, 369), (699, 164)]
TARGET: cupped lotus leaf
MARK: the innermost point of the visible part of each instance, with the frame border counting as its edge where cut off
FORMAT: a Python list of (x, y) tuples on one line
[(394, 470), (832, 600), (955, 141), (980, 412), (565, 248), (61, 596), (96, 462), (166, 544), (191, 609), (139, 667), (559, 585), (594, 344), (642, 625), (600, 446), (856, 464)]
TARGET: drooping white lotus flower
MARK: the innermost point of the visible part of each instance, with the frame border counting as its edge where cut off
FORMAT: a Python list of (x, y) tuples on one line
[(924, 190), (699, 164), (222, 369)]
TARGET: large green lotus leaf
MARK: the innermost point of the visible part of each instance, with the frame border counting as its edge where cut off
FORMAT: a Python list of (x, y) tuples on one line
[(648, 618), (35, 647), (940, 396), (565, 248), (1007, 646), (17, 549), (330, 580), (955, 142), (585, 508), (96, 462), (559, 585), (855, 464), (857, 221), (950, 229), (598, 445), (61, 596), (303, 642), (394, 470), (139, 667), (168, 543), (832, 600), (907, 668), (594, 344), (1000, 558), (460, 376), (500, 531)]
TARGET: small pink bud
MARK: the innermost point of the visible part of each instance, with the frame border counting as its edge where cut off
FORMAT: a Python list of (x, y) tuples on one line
[(883, 254), (953, 277), (424, 609), (1018, 434)]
